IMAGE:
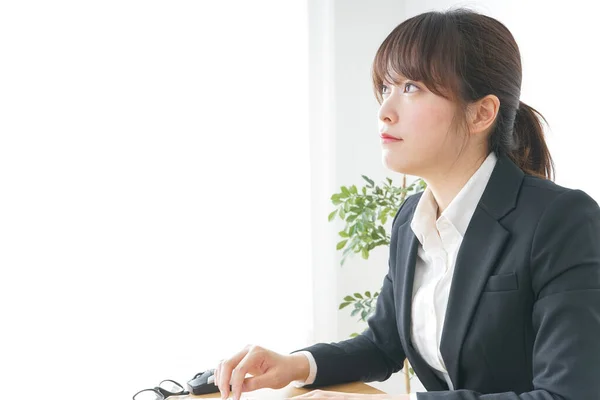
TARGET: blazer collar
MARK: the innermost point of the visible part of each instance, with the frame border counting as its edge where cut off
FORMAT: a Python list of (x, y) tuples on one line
[(482, 245)]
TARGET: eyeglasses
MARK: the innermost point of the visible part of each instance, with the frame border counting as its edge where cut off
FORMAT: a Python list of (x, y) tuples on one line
[(166, 388)]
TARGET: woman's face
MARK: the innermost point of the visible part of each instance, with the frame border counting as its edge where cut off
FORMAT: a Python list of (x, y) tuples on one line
[(422, 121)]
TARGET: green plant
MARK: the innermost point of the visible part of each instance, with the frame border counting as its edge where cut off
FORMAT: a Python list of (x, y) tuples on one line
[(366, 211)]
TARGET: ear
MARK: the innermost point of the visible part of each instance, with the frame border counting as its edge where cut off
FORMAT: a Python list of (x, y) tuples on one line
[(482, 114)]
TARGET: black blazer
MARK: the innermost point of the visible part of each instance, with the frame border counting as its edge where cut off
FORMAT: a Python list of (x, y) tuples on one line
[(523, 317)]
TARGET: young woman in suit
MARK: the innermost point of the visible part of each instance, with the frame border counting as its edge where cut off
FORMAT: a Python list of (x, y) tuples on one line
[(493, 287)]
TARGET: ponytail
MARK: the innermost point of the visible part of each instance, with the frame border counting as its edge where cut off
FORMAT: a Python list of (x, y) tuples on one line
[(531, 153)]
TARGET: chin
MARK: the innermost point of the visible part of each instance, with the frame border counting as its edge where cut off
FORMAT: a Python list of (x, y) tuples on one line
[(399, 166)]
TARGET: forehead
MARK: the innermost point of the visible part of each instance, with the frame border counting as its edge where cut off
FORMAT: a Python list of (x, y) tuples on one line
[(392, 76)]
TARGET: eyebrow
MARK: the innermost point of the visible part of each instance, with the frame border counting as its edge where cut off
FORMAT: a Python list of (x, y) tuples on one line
[(401, 79)]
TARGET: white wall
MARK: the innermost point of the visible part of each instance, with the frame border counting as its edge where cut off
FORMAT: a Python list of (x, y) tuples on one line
[(560, 59), (345, 36)]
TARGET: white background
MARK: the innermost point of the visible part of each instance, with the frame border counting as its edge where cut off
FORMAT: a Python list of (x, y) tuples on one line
[(166, 168), (154, 190)]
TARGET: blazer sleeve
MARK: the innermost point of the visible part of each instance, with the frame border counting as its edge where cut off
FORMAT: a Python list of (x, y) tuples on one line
[(565, 272), (374, 354)]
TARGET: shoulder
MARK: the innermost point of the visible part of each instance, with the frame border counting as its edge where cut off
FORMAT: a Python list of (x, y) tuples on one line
[(565, 246), (562, 216), (549, 197)]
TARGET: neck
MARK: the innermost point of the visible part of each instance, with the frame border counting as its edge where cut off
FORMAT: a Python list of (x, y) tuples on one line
[(447, 183)]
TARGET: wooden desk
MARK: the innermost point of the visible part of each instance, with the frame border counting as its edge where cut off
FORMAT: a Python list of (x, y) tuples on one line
[(291, 391)]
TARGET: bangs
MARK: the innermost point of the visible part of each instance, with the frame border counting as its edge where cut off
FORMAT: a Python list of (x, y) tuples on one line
[(423, 48)]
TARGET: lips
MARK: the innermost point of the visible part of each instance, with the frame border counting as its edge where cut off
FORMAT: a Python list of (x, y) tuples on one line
[(388, 137)]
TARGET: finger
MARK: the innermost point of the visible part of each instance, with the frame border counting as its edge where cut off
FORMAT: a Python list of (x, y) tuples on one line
[(216, 374), (239, 374), (226, 369), (259, 382)]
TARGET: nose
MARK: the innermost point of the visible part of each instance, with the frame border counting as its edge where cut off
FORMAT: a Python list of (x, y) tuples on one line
[(387, 112)]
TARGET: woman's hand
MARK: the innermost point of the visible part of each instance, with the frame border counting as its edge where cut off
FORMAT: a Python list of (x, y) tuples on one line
[(328, 395), (268, 369)]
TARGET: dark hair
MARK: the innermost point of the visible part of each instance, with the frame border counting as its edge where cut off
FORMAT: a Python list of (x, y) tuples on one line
[(463, 56)]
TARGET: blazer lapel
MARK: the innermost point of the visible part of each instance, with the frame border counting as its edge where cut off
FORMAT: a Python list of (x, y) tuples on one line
[(482, 245), (407, 257)]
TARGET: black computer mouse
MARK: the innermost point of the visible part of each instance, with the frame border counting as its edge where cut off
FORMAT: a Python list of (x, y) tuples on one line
[(203, 383)]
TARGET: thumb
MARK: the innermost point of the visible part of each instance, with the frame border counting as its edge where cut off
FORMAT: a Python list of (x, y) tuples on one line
[(267, 380)]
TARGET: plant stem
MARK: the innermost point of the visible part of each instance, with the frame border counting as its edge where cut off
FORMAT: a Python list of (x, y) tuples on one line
[(406, 377)]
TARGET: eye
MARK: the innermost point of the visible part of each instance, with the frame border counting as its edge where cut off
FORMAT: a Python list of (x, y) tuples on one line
[(408, 84), (383, 89)]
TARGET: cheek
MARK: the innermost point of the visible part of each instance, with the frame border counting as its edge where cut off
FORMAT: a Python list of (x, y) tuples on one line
[(428, 122), (425, 130)]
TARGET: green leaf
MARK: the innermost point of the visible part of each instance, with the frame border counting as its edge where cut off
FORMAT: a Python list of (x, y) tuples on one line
[(348, 298), (332, 216), (364, 190), (359, 226), (354, 312), (389, 180), (342, 213), (345, 191), (365, 253), (376, 294), (358, 295), (368, 294), (347, 250), (352, 218), (353, 335), (353, 189), (370, 182), (345, 304), (363, 314), (346, 206), (343, 234), (341, 244)]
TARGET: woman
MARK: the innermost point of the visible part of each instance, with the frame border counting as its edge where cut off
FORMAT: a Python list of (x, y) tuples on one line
[(493, 288)]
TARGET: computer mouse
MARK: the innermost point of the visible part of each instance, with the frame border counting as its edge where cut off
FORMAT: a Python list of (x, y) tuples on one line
[(203, 383)]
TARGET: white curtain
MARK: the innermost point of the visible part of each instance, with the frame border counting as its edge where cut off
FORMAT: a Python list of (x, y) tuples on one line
[(154, 190)]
